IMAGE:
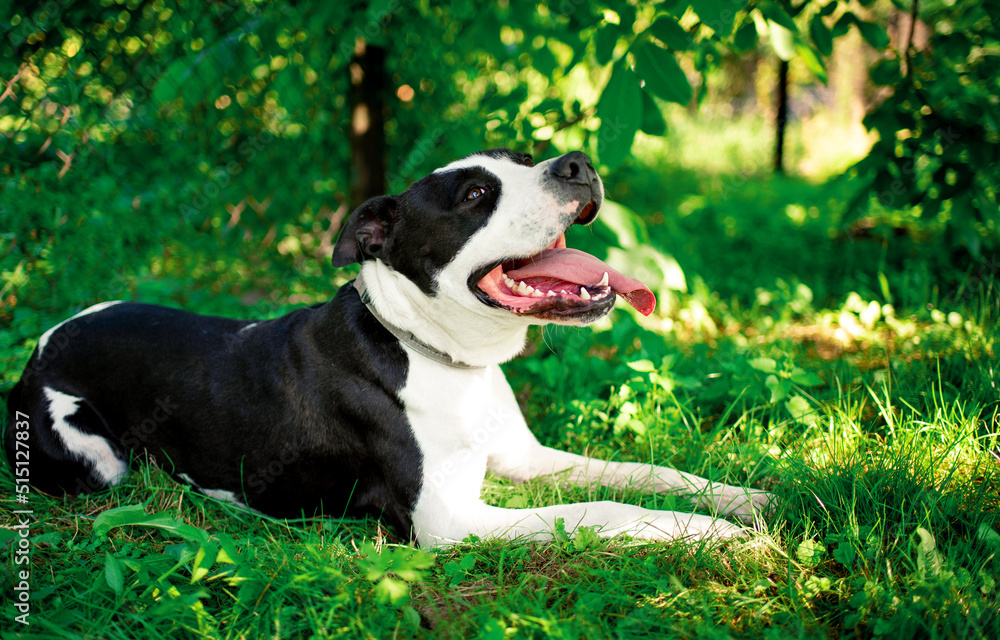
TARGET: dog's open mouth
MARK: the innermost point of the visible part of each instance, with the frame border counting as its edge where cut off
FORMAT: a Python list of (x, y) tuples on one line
[(559, 283)]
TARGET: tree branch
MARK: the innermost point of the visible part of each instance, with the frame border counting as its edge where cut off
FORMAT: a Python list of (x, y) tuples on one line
[(909, 39)]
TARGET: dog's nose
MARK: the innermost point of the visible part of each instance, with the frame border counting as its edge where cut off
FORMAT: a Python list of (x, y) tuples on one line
[(574, 167)]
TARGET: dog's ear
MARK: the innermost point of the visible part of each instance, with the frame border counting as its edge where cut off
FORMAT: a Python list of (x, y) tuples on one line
[(365, 232)]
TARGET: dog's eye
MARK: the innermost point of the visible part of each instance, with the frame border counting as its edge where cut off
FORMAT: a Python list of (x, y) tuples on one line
[(476, 192)]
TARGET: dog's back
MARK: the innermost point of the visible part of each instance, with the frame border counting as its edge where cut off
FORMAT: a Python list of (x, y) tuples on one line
[(220, 402)]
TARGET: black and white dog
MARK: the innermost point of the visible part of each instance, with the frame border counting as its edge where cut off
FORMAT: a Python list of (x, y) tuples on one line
[(388, 400)]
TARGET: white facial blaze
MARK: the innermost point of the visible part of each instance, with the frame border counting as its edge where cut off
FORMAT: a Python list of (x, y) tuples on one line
[(528, 217)]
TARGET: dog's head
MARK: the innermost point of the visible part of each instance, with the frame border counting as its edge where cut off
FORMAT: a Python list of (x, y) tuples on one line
[(486, 234)]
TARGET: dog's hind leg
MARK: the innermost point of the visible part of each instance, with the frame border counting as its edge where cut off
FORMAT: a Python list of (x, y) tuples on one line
[(60, 439)]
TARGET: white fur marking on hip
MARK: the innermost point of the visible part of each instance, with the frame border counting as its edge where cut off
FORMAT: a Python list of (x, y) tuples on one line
[(90, 448), (44, 340)]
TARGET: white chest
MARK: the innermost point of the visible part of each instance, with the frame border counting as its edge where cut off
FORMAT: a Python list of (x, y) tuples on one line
[(458, 417)]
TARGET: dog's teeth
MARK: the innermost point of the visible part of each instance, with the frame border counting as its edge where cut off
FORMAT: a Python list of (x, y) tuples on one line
[(523, 289), (584, 294), (537, 294), (508, 281), (604, 280), (550, 294)]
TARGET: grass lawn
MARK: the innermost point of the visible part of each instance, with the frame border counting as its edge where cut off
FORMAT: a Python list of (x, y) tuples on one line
[(847, 373)]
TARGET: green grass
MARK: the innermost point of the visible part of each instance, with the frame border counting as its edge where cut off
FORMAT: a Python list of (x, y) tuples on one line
[(886, 525), (853, 377), (889, 501)]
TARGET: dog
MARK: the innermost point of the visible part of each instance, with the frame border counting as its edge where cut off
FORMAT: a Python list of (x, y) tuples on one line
[(389, 399)]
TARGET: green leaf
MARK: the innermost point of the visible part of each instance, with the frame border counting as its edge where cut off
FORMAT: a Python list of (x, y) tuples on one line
[(411, 616), (779, 388), (804, 378), (544, 61), (782, 41), (228, 553), (652, 118), (515, 502), (183, 553), (604, 43), (250, 591), (800, 410), (746, 36), (395, 592), (620, 110), (585, 538), (638, 427), (552, 104), (986, 533), (412, 563), (203, 561), (628, 227), (642, 366), (630, 409), (718, 388), (820, 35), (559, 531), (662, 74), (845, 553), (135, 515), (886, 72), (810, 552), (928, 557), (626, 16), (670, 33), (813, 61), (767, 365), (873, 33), (775, 13), (113, 573), (718, 15), (843, 24), (120, 516)]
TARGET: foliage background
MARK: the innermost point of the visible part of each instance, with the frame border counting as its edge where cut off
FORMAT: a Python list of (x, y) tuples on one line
[(826, 331)]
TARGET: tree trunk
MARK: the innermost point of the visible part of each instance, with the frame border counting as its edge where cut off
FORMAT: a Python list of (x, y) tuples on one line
[(782, 119), (368, 82)]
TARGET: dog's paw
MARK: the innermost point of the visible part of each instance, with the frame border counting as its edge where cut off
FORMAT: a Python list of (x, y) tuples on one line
[(698, 527), (752, 506)]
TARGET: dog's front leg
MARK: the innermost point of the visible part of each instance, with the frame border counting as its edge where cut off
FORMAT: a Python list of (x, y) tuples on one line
[(529, 459), (515, 453), (446, 523), (449, 507), (745, 504)]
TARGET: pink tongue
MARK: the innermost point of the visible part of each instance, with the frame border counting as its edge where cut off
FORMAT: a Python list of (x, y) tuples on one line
[(584, 269)]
